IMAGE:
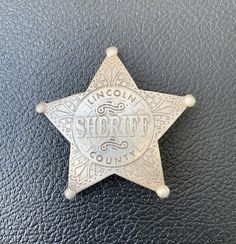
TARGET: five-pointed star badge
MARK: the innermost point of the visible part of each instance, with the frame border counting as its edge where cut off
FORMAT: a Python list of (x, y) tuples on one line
[(114, 127)]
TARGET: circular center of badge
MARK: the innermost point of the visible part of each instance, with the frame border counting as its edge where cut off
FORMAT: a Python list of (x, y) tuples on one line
[(113, 126)]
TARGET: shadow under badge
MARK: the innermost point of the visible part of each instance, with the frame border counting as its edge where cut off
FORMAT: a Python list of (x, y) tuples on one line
[(114, 127)]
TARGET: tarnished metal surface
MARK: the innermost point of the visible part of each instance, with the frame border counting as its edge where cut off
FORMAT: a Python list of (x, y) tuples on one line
[(113, 128)]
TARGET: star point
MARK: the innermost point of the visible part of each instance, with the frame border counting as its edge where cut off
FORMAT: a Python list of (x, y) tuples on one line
[(189, 100), (163, 191), (41, 107), (111, 51)]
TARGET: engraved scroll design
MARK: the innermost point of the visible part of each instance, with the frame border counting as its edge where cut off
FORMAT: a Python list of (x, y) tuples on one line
[(146, 171), (83, 172), (110, 108), (112, 73), (165, 108), (111, 76), (114, 145), (61, 114)]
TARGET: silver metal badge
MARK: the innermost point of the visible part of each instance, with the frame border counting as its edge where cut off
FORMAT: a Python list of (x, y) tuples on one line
[(114, 128)]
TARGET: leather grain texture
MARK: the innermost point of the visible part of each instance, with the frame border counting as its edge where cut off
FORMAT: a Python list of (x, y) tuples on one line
[(51, 49)]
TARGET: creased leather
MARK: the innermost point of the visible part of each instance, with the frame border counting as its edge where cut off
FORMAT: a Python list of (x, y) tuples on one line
[(51, 49)]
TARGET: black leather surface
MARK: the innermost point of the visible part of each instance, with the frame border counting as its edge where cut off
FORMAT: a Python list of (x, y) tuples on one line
[(51, 49)]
